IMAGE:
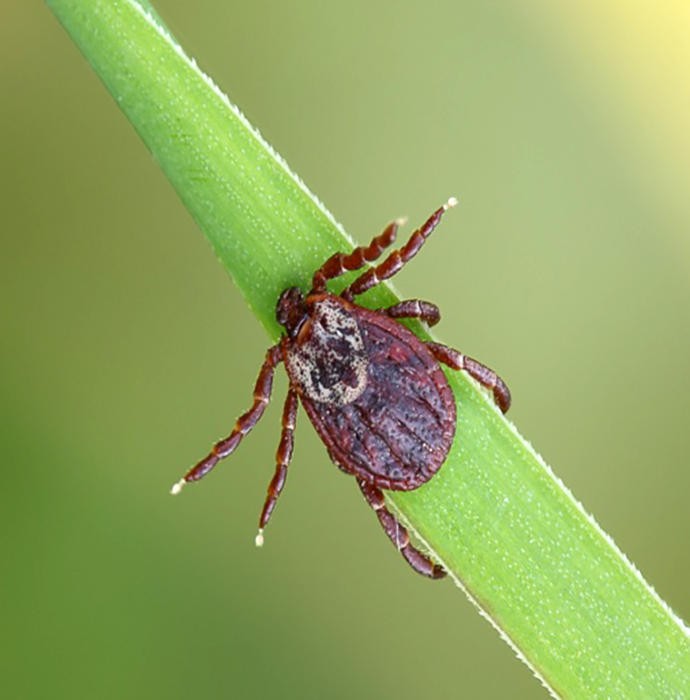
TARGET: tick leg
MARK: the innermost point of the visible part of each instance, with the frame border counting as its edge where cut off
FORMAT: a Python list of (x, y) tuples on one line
[(340, 263), (398, 534), (415, 308), (225, 447), (397, 259), (283, 457), (485, 376)]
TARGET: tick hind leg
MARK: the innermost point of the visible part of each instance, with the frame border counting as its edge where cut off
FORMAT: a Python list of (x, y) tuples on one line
[(397, 259), (283, 457), (223, 448), (340, 263), (415, 308), (485, 376), (398, 534)]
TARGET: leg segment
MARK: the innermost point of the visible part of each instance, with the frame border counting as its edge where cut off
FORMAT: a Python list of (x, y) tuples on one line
[(397, 259), (485, 376), (283, 456), (340, 263), (398, 534), (225, 447), (415, 308)]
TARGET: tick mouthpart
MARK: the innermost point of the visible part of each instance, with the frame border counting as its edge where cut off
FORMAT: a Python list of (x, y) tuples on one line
[(452, 202), (291, 310), (177, 487)]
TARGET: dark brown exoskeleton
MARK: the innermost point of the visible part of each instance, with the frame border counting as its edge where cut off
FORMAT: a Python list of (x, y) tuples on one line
[(373, 390)]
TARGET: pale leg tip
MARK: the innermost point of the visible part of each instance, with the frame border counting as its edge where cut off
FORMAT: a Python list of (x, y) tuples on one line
[(401, 221), (450, 203), (259, 539), (177, 487)]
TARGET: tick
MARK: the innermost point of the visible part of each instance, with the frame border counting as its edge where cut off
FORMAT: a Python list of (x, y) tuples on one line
[(373, 390)]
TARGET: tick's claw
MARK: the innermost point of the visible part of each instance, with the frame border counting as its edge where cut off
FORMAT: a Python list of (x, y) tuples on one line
[(259, 539), (177, 487), (450, 203)]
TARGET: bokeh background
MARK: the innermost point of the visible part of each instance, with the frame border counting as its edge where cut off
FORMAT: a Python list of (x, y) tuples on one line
[(125, 349)]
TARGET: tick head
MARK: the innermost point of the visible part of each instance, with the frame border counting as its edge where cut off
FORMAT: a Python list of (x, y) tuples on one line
[(291, 310)]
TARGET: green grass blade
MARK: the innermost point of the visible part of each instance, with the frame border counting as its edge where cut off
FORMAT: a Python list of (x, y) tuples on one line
[(510, 533)]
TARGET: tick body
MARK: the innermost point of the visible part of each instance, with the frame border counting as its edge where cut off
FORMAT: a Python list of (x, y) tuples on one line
[(373, 390)]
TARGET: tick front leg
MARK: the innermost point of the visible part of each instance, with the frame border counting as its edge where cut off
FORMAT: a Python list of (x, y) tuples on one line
[(415, 308), (283, 457), (398, 258), (485, 376), (224, 448), (340, 263), (398, 534)]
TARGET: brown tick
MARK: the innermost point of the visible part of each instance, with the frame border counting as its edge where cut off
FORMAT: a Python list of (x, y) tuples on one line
[(373, 390)]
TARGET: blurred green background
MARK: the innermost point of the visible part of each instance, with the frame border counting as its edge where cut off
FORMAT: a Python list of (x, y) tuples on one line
[(126, 350)]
